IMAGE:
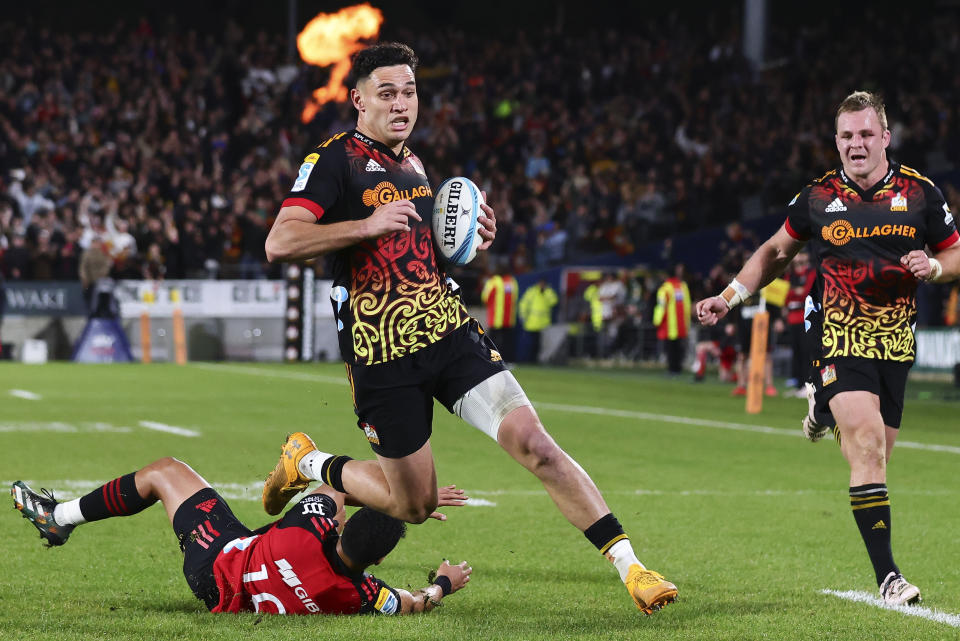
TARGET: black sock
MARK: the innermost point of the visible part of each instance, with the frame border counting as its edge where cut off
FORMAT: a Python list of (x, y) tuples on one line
[(605, 532), (871, 510), (119, 497), (331, 472)]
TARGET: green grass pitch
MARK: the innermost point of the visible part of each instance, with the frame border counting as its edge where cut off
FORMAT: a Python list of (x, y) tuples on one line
[(751, 523)]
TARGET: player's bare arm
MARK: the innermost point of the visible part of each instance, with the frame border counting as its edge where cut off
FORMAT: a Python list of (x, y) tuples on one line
[(768, 262), (295, 234), (941, 267), (489, 224), (450, 578)]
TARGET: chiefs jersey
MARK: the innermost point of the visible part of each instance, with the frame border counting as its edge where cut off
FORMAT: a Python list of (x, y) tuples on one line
[(866, 297), (293, 568), (389, 296)]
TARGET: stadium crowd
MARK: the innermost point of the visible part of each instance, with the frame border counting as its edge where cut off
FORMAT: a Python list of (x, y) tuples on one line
[(164, 152)]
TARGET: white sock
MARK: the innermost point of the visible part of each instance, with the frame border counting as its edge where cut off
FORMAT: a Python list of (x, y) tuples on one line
[(68, 513), (311, 464), (622, 556)]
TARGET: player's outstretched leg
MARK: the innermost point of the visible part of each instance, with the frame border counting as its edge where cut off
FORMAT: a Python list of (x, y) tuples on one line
[(167, 480), (286, 480), (39, 510), (579, 500)]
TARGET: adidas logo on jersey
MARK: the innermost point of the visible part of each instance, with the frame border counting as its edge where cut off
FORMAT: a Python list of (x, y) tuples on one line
[(879, 525), (835, 206), (373, 165), (207, 505)]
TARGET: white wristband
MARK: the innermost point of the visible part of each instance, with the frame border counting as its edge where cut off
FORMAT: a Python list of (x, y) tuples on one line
[(936, 270), (734, 294)]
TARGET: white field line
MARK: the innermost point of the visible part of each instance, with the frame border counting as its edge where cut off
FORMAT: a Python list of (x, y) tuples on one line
[(170, 429), (25, 395), (946, 618), (585, 409), (700, 422), (60, 426)]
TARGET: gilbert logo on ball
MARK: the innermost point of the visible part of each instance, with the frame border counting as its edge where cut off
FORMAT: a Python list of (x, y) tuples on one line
[(456, 208)]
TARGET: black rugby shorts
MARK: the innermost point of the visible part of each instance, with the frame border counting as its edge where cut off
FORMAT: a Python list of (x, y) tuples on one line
[(204, 524), (394, 400), (886, 379)]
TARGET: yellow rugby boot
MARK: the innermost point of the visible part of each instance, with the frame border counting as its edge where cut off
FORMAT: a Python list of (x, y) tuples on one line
[(286, 481), (650, 591)]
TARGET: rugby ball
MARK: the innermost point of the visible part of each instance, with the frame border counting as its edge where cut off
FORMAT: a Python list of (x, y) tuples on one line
[(456, 231)]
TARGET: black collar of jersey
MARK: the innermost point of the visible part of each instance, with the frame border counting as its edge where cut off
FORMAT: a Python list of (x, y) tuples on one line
[(867, 194), (376, 144)]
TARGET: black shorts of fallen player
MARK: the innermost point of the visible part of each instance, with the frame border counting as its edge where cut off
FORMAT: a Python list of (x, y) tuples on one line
[(204, 525), (886, 379), (394, 400)]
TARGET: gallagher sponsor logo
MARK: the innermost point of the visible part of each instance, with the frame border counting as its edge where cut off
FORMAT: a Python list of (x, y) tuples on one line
[(840, 232), (385, 193)]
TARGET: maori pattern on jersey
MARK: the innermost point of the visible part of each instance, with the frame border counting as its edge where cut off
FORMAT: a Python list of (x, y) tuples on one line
[(868, 307), (400, 302)]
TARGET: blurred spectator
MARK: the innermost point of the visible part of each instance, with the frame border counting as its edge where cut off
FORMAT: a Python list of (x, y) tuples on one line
[(500, 294), (672, 318), (536, 306)]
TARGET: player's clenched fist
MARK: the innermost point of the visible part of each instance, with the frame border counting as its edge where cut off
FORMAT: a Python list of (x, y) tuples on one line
[(921, 266), (710, 310)]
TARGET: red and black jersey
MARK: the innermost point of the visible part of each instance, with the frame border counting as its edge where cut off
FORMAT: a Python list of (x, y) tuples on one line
[(857, 237), (390, 297), (294, 568)]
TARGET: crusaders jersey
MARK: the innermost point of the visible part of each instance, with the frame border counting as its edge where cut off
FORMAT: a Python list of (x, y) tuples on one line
[(293, 568), (389, 296), (865, 298)]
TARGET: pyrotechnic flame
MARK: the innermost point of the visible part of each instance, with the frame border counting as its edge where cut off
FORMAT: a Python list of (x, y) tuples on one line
[(330, 39)]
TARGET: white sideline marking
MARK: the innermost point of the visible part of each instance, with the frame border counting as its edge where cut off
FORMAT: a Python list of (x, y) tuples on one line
[(702, 422), (708, 492), (585, 409), (59, 426), (171, 429), (952, 620), (472, 502), (24, 394)]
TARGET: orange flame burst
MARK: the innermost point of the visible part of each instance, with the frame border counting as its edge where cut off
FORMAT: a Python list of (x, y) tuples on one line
[(330, 39)]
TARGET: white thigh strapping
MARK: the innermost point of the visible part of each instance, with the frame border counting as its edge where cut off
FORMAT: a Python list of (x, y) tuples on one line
[(486, 405)]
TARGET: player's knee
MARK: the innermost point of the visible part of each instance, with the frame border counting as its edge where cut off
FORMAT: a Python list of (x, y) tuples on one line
[(417, 513), (163, 466), (539, 450)]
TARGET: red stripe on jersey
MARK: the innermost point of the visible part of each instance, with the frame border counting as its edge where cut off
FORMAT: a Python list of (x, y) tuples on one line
[(790, 230), (950, 240), (314, 208), (201, 543)]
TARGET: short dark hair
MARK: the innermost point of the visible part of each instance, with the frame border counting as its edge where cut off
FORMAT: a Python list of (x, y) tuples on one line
[(382, 54), (369, 535), (860, 100)]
